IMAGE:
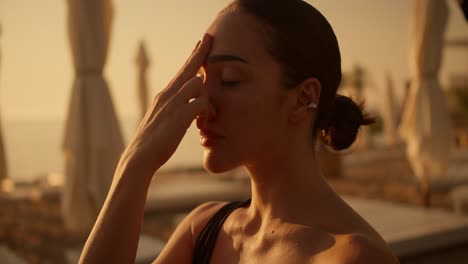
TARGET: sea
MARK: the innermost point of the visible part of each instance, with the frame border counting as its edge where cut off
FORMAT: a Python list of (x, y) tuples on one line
[(33, 148)]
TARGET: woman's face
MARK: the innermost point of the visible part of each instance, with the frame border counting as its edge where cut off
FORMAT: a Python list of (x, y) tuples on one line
[(243, 83)]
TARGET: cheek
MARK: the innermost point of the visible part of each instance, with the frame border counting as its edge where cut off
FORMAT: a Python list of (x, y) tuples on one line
[(236, 112), (250, 118)]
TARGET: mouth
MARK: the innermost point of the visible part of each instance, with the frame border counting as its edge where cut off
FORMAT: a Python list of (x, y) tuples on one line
[(209, 138)]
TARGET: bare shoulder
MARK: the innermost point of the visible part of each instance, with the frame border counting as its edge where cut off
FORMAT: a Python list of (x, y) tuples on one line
[(200, 216), (179, 247), (358, 248)]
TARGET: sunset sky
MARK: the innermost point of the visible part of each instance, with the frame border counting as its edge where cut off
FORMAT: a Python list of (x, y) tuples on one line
[(36, 71)]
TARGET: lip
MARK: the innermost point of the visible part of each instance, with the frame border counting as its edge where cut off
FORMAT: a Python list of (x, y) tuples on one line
[(209, 134), (209, 137)]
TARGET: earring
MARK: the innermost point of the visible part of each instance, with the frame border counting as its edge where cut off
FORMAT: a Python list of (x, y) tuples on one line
[(312, 106)]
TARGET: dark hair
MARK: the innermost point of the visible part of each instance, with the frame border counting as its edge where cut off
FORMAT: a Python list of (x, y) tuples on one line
[(300, 38)]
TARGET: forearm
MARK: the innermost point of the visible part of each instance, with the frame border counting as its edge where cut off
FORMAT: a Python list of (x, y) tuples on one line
[(114, 238), (115, 235)]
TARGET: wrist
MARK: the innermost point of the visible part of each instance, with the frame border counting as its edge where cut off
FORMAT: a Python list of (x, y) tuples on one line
[(135, 170)]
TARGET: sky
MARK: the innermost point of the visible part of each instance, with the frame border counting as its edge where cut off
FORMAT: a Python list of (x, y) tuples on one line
[(36, 73)]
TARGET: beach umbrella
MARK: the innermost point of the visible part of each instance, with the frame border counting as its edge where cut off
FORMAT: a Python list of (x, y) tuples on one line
[(389, 112), (3, 166), (425, 125), (93, 141), (5, 183), (143, 63)]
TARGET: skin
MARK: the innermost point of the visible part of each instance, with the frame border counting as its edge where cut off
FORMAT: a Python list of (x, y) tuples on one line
[(266, 129)]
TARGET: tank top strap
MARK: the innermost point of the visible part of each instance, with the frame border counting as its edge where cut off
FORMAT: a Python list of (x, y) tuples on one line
[(207, 238)]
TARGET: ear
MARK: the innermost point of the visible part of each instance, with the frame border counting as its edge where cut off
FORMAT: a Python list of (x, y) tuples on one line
[(307, 93)]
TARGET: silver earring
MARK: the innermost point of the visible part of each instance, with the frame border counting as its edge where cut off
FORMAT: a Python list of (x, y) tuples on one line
[(312, 106)]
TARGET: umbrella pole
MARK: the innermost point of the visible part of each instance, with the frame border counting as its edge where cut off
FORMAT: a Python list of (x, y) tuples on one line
[(426, 192)]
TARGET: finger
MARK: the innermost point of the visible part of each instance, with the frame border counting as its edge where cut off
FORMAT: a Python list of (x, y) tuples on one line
[(196, 60), (191, 89), (200, 106), (192, 66)]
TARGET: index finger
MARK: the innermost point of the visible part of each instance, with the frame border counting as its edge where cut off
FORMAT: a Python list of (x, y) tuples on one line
[(192, 65)]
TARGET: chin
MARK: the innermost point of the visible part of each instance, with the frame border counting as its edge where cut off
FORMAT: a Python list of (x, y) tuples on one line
[(217, 163)]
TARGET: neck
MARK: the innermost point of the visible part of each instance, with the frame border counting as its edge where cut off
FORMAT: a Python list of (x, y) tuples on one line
[(285, 189)]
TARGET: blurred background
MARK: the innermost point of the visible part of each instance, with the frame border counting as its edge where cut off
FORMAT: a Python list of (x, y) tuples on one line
[(147, 43)]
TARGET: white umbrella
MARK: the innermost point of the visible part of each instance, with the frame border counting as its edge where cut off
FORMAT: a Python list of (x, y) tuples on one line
[(389, 113), (425, 125), (143, 63), (93, 141), (4, 181)]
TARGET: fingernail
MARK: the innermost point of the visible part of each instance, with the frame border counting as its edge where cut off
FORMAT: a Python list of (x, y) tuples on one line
[(201, 77)]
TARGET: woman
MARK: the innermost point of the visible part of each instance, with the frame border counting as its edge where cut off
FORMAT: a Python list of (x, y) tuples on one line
[(270, 74)]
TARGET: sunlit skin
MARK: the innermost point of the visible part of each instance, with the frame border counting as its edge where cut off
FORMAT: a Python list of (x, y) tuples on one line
[(266, 128), (244, 86), (246, 118)]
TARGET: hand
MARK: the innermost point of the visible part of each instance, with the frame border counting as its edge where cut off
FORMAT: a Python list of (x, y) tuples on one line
[(169, 116)]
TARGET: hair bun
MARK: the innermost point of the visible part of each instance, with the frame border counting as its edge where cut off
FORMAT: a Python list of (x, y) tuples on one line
[(344, 121)]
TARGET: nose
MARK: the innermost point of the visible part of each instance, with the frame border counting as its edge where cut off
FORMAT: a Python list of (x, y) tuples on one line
[(209, 92), (202, 121)]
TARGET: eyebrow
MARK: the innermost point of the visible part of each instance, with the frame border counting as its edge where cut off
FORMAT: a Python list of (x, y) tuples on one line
[(224, 57)]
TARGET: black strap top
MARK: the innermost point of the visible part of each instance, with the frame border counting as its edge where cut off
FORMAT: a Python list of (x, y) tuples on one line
[(207, 238)]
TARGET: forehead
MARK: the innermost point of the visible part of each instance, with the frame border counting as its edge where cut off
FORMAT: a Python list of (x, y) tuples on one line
[(236, 33)]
